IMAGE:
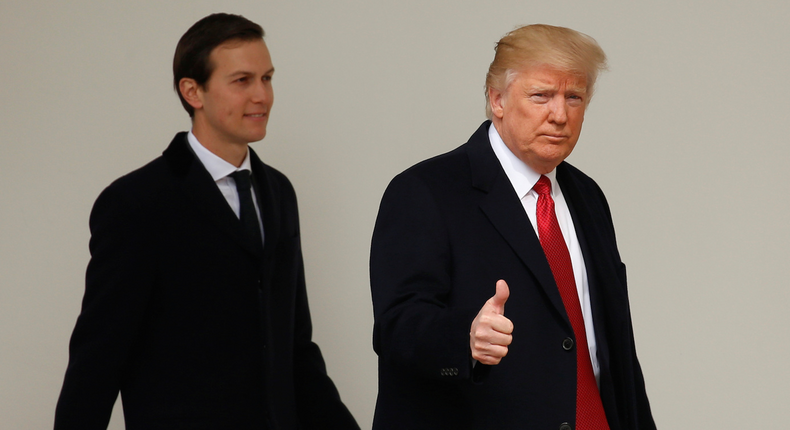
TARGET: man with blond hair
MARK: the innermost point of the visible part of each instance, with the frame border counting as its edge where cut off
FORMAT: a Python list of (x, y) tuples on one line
[(499, 296)]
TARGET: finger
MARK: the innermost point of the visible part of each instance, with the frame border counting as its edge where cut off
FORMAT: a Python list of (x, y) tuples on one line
[(489, 340), (495, 340), (500, 297), (490, 356), (492, 322), (502, 325), (491, 361)]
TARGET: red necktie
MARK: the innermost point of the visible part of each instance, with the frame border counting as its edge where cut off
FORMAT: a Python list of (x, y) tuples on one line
[(589, 409)]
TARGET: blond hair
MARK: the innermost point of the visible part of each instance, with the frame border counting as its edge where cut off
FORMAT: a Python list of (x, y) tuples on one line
[(544, 45)]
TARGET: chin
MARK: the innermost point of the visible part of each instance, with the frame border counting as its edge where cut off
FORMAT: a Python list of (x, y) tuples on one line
[(548, 164), (553, 155), (254, 137)]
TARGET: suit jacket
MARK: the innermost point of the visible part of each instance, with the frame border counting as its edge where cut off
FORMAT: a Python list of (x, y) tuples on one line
[(447, 230), (193, 324)]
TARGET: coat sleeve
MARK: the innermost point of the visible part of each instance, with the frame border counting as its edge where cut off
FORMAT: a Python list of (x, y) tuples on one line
[(117, 290), (416, 328)]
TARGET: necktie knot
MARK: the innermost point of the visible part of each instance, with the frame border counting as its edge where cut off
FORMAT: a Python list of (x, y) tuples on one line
[(242, 178), (543, 186)]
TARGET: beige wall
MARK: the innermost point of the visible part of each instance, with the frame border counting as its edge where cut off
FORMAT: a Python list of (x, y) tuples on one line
[(688, 135)]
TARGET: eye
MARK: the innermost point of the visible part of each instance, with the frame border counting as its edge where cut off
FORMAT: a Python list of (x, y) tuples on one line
[(540, 97), (267, 78), (242, 80), (575, 99)]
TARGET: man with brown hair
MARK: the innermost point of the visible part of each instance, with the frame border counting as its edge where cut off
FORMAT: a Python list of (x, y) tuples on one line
[(499, 297), (195, 307)]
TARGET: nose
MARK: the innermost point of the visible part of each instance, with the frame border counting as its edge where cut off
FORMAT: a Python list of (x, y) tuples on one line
[(262, 92), (557, 110)]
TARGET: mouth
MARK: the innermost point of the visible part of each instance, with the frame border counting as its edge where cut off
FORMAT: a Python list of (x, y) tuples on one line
[(256, 117)]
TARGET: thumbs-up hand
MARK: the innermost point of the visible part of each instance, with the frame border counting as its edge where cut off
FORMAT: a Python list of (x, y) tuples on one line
[(491, 331)]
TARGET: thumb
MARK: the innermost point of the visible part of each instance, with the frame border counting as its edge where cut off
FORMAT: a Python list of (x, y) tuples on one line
[(501, 296)]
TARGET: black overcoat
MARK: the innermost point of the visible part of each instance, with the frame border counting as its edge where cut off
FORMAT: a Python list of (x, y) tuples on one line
[(447, 230), (193, 324)]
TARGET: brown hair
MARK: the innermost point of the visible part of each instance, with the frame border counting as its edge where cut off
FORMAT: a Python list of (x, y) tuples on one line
[(191, 59), (540, 44)]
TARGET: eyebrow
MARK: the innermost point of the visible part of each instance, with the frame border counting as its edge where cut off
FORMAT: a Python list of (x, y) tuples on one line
[(544, 89), (245, 72)]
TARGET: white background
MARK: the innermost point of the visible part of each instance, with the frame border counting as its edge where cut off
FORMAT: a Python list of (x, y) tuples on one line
[(688, 136)]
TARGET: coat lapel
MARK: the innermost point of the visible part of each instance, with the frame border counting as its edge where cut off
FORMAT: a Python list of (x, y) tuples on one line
[(504, 210), (200, 190), (586, 233), (607, 295), (269, 203)]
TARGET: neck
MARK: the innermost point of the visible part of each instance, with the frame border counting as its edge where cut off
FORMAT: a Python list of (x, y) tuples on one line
[(232, 152)]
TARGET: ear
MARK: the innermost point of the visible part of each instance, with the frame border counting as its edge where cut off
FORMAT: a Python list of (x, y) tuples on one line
[(497, 102), (191, 92)]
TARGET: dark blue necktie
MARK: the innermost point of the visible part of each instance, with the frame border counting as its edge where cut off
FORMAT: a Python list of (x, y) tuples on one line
[(248, 215)]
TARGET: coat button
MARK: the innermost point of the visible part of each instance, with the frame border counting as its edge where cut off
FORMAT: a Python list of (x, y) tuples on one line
[(567, 344), (565, 426), (449, 371)]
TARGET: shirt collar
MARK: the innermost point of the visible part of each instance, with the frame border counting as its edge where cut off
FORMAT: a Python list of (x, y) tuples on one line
[(216, 166), (521, 176)]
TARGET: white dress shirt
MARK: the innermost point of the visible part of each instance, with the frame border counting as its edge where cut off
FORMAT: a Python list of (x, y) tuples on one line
[(219, 170), (523, 178)]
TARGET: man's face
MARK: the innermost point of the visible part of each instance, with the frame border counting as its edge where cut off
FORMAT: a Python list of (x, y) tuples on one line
[(540, 115), (237, 98)]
